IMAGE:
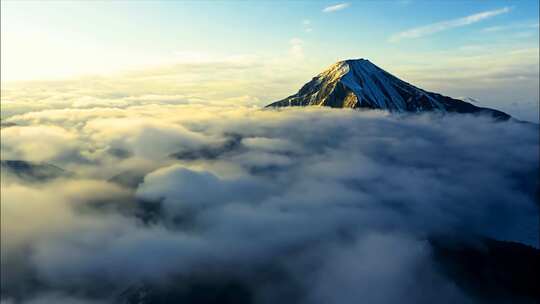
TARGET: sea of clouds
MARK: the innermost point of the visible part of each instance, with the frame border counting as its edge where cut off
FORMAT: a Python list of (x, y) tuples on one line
[(308, 205)]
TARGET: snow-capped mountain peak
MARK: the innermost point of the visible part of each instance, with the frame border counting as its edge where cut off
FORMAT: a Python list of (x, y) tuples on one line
[(358, 83)]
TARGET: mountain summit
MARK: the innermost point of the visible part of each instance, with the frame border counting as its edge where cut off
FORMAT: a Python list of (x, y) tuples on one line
[(358, 83)]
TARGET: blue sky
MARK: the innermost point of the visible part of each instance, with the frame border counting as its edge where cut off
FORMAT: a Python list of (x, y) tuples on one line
[(358, 29), (440, 45)]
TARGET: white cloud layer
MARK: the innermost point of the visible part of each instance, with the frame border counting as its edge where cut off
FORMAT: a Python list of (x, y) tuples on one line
[(301, 205)]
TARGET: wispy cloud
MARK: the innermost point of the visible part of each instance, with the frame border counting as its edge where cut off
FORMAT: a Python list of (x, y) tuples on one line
[(296, 48), (472, 48), (446, 25), (499, 28), (337, 7), (306, 23)]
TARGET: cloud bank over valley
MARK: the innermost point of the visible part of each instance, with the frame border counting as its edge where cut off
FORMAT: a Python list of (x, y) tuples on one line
[(309, 205)]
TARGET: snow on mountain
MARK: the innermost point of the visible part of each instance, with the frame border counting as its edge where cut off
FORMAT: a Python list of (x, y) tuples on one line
[(359, 83)]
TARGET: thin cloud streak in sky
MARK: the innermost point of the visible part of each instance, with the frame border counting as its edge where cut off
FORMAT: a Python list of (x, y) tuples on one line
[(511, 27), (337, 7), (446, 25)]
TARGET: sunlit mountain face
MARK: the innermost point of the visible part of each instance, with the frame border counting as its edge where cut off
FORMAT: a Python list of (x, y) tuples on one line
[(361, 84), (152, 152)]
